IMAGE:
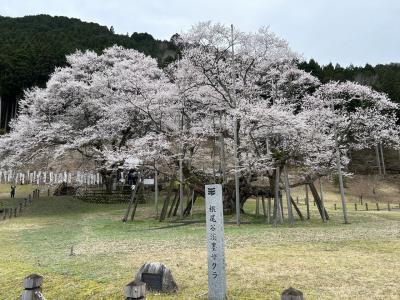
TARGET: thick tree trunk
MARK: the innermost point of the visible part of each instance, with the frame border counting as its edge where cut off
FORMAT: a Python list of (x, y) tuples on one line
[(378, 160), (164, 209)]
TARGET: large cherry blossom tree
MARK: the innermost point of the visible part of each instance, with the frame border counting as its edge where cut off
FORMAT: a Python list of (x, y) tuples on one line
[(98, 105), (119, 106)]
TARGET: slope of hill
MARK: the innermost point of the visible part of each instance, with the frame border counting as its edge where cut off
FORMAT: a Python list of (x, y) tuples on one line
[(31, 46), (383, 78)]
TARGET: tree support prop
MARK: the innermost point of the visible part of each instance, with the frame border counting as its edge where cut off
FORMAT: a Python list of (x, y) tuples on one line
[(318, 201)]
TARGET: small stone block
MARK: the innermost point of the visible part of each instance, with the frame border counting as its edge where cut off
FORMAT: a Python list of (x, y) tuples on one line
[(33, 281), (135, 289)]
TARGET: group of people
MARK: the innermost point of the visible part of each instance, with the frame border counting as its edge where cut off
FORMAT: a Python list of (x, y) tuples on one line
[(133, 176)]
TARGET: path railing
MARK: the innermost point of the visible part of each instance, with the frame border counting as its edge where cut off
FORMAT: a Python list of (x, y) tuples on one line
[(14, 212)]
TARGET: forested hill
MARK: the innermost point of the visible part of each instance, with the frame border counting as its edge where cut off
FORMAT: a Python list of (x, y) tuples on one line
[(31, 46), (383, 78)]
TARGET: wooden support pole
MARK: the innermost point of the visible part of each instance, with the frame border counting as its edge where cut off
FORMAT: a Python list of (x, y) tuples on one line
[(340, 177), (133, 201), (269, 210), (378, 161), (297, 209), (382, 159), (263, 206), (366, 206), (181, 186), (136, 200), (15, 212), (335, 206), (317, 200), (377, 206), (322, 200), (20, 207), (288, 196), (388, 205), (164, 209), (177, 205), (156, 189), (5, 211), (307, 203), (355, 206), (257, 205), (361, 199), (236, 127), (174, 201), (192, 202), (277, 207)]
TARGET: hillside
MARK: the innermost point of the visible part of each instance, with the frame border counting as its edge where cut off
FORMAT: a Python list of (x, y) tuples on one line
[(31, 46), (383, 78)]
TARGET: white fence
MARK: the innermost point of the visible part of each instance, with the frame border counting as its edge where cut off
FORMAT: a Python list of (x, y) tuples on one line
[(47, 177)]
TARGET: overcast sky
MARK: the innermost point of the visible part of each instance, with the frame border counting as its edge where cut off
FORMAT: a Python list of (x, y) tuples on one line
[(343, 31)]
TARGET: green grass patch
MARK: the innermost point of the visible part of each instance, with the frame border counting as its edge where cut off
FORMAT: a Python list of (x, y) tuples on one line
[(324, 260)]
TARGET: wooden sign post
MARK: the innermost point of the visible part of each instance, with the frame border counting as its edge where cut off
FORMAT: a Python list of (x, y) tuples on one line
[(215, 242)]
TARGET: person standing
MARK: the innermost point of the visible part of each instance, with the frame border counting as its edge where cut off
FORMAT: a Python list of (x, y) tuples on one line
[(13, 188)]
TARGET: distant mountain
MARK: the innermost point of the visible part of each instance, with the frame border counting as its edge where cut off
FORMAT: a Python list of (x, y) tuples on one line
[(32, 46)]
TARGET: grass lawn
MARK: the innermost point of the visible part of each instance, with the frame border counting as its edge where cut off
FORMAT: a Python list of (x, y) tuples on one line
[(325, 261)]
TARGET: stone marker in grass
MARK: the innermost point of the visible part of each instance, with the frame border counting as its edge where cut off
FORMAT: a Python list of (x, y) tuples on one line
[(292, 294), (157, 277)]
